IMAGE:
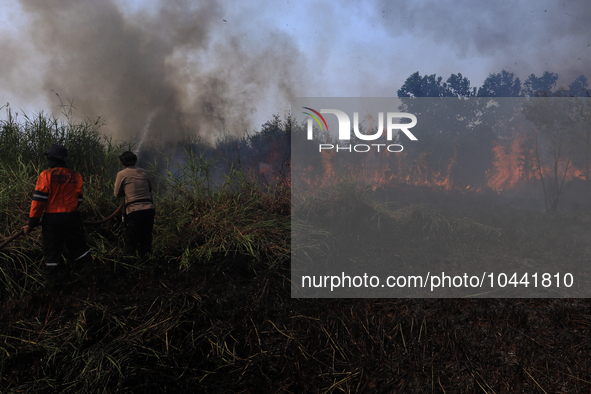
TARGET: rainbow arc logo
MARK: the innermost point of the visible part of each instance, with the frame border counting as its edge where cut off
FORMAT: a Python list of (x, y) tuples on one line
[(315, 118)]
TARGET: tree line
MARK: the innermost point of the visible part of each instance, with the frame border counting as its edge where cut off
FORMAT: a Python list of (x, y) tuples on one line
[(503, 84)]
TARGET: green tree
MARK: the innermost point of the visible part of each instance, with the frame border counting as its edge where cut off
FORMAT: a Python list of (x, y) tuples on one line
[(540, 86), (579, 87), (459, 86), (426, 86), (503, 84)]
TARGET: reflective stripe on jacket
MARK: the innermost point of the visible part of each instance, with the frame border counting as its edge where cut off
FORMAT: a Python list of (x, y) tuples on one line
[(58, 189)]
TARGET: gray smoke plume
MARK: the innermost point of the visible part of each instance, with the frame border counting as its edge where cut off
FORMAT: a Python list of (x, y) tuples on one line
[(173, 69), (520, 36), (163, 69)]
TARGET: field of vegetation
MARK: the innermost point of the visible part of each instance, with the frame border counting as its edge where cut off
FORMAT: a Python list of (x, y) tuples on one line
[(210, 311)]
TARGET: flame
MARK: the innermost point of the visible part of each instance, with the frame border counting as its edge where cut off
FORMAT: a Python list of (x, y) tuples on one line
[(385, 170), (507, 172)]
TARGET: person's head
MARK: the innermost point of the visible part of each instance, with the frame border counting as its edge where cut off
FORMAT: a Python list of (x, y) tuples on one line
[(57, 155), (128, 158)]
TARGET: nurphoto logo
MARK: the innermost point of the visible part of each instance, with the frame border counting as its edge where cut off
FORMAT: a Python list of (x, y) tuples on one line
[(345, 130)]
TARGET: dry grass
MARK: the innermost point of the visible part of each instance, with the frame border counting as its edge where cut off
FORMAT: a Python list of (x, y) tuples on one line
[(220, 319)]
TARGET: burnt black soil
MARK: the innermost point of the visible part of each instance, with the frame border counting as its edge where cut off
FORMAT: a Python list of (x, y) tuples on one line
[(232, 327), (233, 330)]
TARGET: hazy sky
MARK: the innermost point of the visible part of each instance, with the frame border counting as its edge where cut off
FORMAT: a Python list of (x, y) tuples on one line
[(206, 66)]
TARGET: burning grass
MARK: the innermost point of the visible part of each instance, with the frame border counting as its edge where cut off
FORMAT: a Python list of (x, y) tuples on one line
[(211, 311)]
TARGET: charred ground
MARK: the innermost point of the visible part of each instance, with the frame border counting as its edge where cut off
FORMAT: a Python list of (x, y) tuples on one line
[(211, 311), (230, 325)]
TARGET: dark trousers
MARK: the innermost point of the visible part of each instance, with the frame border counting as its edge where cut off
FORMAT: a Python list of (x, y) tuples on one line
[(138, 232), (61, 229)]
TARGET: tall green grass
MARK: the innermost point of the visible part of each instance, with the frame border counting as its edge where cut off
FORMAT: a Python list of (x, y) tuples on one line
[(211, 214), (208, 209), (23, 142), (208, 219)]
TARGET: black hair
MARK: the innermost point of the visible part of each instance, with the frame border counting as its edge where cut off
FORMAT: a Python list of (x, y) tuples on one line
[(128, 158)]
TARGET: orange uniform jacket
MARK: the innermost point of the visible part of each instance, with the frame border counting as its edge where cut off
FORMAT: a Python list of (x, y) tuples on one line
[(58, 189)]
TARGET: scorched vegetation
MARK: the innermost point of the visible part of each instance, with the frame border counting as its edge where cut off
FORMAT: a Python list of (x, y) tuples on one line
[(211, 311)]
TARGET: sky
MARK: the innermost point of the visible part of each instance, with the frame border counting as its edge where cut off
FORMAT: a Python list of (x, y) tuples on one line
[(162, 69)]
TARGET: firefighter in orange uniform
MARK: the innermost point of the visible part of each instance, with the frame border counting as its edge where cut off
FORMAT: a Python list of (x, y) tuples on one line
[(57, 194)]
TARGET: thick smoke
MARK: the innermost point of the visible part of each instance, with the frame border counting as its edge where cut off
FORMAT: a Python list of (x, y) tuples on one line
[(163, 69), (520, 36), (179, 68)]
